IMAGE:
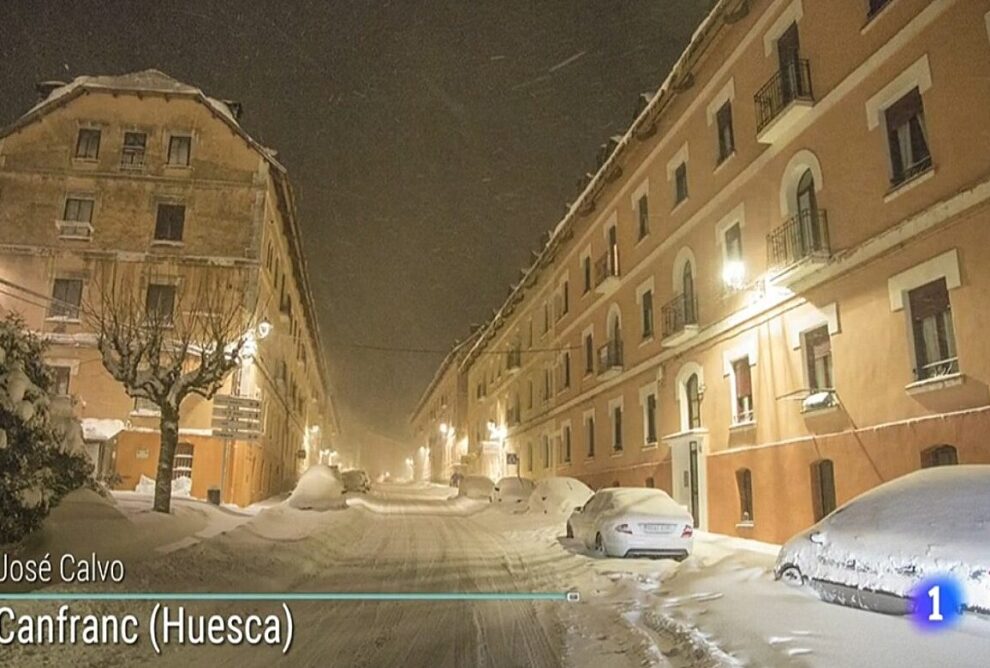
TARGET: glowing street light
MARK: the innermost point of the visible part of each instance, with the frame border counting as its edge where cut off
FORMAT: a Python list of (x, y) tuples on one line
[(733, 273)]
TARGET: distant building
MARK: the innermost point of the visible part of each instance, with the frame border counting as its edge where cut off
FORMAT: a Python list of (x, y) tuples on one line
[(152, 174), (439, 421), (770, 296)]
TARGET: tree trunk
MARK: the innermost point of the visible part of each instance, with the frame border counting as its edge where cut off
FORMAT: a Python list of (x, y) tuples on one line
[(166, 458)]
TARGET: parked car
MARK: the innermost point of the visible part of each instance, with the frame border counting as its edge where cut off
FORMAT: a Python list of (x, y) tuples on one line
[(356, 480), (633, 522), (872, 551), (513, 493), (558, 496), (476, 487)]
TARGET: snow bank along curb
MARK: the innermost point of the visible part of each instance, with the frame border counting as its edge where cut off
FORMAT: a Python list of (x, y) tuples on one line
[(690, 644)]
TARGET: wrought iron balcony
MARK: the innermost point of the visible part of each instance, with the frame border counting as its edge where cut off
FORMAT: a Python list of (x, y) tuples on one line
[(680, 319), (607, 270), (783, 100), (799, 246), (610, 359)]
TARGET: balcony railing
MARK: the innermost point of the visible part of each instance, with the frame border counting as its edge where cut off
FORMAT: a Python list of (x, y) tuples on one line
[(787, 85), (607, 266), (610, 357), (802, 236), (678, 313), (910, 171), (513, 359), (946, 367), (74, 229)]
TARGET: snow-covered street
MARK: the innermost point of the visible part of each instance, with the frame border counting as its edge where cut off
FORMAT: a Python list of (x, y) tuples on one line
[(718, 608)]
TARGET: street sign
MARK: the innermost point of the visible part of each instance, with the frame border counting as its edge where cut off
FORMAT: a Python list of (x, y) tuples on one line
[(236, 418), (229, 400)]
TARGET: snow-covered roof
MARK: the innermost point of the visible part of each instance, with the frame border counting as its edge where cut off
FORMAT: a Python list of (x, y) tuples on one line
[(646, 118), (101, 429)]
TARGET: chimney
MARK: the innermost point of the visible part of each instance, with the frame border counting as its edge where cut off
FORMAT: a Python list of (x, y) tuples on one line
[(45, 88)]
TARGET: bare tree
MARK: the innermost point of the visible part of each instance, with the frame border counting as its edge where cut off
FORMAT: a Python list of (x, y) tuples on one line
[(166, 336)]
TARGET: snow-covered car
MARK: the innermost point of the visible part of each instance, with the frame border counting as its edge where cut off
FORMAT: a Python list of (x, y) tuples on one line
[(872, 551), (319, 488), (476, 487), (513, 493), (633, 522), (558, 496), (356, 480)]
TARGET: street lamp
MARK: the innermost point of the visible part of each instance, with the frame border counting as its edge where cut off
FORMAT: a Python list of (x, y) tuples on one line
[(263, 329)]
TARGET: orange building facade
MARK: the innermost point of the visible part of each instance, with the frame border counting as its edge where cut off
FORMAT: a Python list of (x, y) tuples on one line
[(769, 297)]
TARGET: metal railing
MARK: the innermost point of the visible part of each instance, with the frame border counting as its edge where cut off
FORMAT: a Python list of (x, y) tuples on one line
[(679, 312), (607, 266), (803, 235), (910, 171), (790, 83), (946, 367), (610, 356)]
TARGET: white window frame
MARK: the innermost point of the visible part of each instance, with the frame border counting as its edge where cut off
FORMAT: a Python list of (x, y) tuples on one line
[(588, 331), (642, 190), (566, 425), (791, 14), (680, 390), (617, 402), (586, 255), (589, 415), (649, 285), (726, 94)]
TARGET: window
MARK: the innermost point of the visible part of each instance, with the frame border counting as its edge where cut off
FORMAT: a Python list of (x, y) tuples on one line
[(529, 456), (822, 488), (693, 398), (931, 325), (160, 303), (169, 222), (744, 482), (743, 391), (546, 317), (183, 466), (78, 210), (874, 7), (61, 376), (680, 183), (643, 212), (650, 482), (132, 155), (565, 297), (565, 444), (566, 362), (818, 358), (179, 147), (529, 403), (88, 144), (143, 405), (647, 306), (589, 426), (907, 138), (939, 455), (586, 267), (547, 384), (617, 428), (589, 354), (66, 298), (687, 291), (650, 417), (546, 451), (726, 142)]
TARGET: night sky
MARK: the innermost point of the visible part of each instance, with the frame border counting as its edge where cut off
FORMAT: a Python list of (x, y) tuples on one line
[(430, 144)]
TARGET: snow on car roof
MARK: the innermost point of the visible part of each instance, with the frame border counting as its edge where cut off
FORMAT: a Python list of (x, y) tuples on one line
[(643, 499)]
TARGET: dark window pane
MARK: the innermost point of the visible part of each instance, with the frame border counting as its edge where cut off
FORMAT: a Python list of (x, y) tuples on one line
[(170, 222), (88, 144)]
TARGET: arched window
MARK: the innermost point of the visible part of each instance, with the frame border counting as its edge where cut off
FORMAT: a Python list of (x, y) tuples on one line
[(822, 487), (687, 287), (744, 482), (691, 390), (939, 455), (810, 230)]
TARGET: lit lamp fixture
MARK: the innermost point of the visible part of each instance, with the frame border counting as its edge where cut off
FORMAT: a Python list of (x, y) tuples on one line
[(497, 432), (444, 428), (733, 274)]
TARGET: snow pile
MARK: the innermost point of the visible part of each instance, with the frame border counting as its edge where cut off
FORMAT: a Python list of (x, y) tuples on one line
[(319, 488), (181, 486), (513, 493), (558, 496), (935, 520), (476, 487)]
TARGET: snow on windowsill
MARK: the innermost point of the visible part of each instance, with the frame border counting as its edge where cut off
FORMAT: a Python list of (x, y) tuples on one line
[(935, 384), (646, 341), (745, 525), (168, 243), (908, 184), (145, 412), (650, 445), (679, 205), (617, 453), (63, 320), (727, 159), (743, 426)]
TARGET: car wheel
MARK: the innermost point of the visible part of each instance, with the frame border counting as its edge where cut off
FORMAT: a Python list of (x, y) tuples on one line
[(570, 531), (600, 545), (791, 576)]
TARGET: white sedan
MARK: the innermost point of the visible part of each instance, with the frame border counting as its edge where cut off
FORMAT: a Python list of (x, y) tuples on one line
[(634, 522)]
